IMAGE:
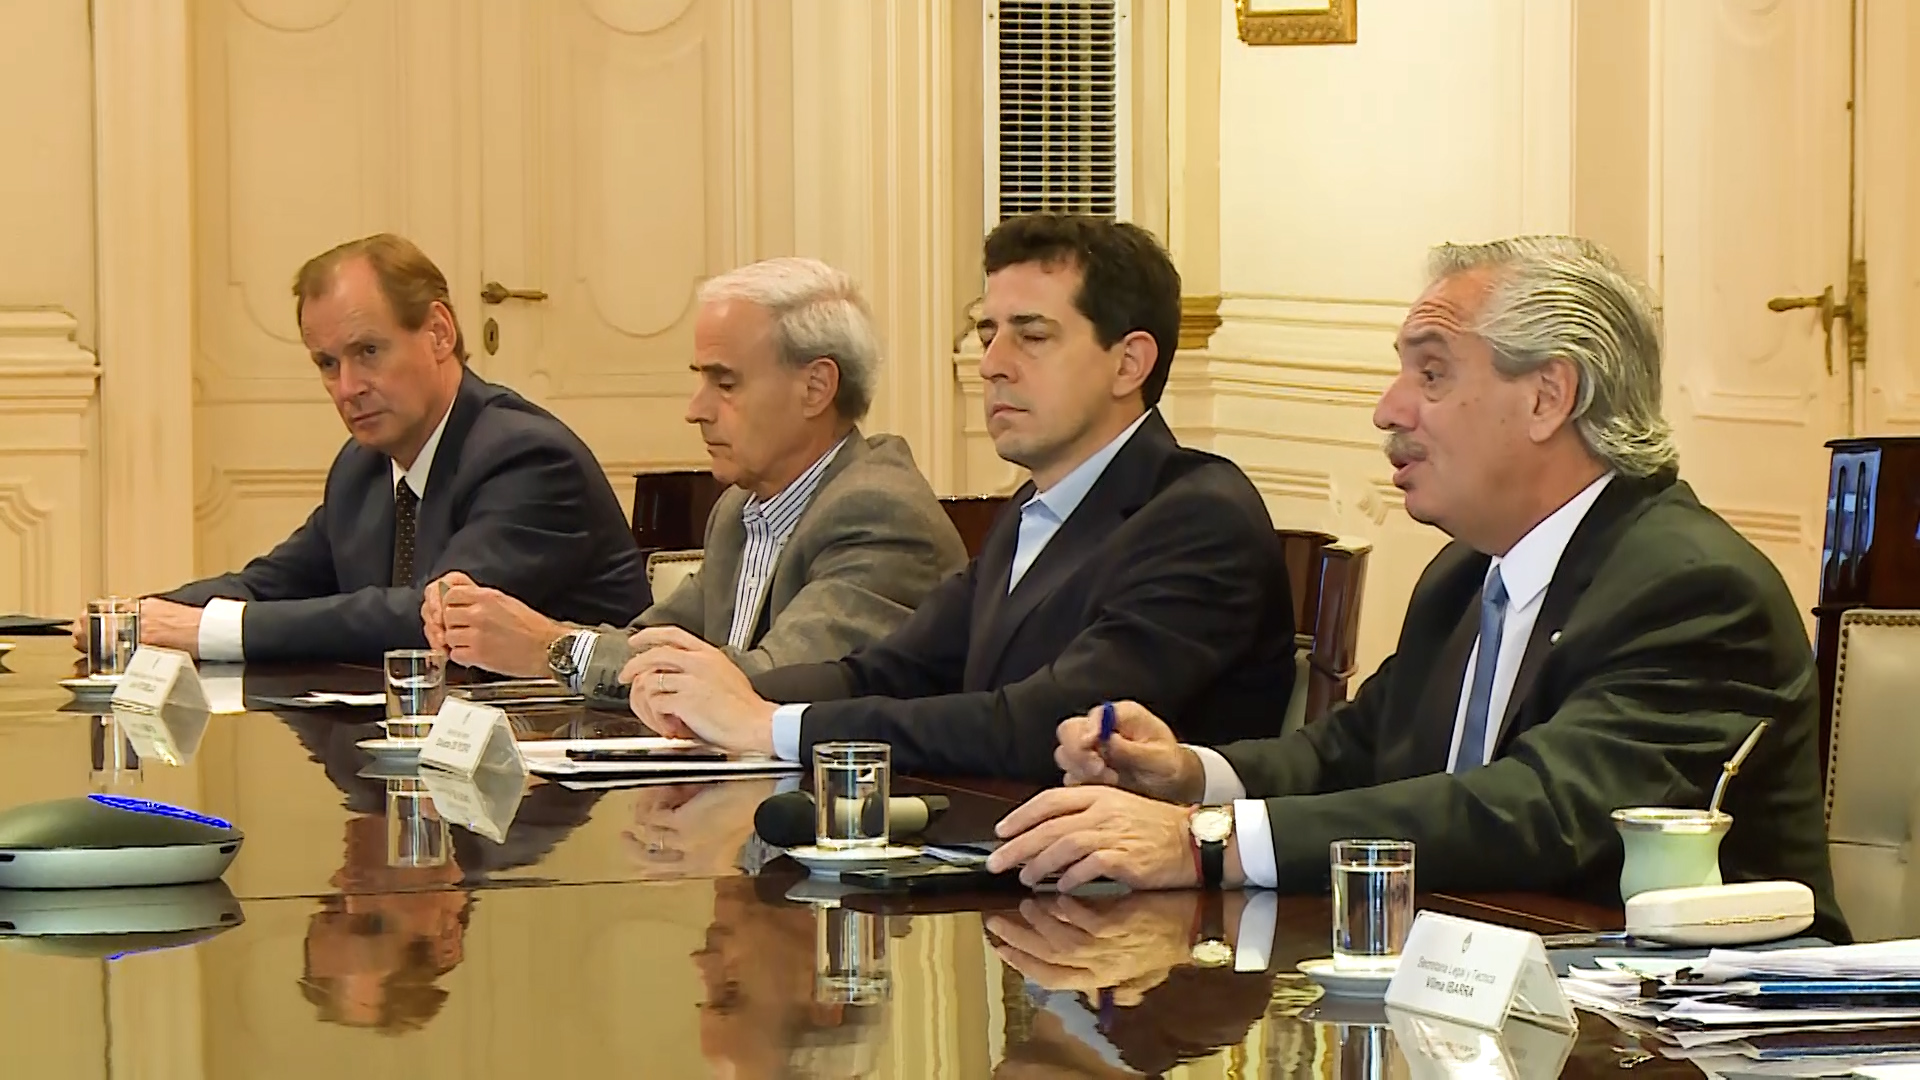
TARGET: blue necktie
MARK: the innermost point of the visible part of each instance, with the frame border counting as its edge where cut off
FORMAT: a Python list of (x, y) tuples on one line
[(1493, 618)]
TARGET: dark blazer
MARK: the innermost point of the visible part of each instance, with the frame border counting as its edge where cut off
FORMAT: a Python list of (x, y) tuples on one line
[(1165, 586), (1664, 637), (514, 499)]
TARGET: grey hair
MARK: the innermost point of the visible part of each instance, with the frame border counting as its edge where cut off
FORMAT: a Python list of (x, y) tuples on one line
[(817, 311), (1561, 297)]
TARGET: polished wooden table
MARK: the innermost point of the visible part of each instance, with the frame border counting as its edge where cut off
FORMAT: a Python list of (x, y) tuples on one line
[(617, 932)]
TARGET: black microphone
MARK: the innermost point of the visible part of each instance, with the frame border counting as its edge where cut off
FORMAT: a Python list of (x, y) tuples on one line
[(787, 820)]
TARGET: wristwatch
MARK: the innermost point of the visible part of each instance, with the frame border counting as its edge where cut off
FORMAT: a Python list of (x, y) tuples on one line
[(1212, 827), (560, 657), (1210, 948)]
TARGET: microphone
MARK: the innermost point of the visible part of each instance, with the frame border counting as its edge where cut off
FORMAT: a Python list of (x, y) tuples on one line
[(788, 820)]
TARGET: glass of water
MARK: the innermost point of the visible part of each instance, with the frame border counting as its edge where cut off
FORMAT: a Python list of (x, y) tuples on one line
[(416, 688), (849, 957), (113, 632), (1372, 903), (851, 784)]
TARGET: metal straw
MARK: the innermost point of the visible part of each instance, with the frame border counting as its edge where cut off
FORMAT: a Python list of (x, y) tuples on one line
[(1733, 766)]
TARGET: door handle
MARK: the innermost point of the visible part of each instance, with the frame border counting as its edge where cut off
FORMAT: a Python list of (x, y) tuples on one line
[(495, 293), (1829, 311)]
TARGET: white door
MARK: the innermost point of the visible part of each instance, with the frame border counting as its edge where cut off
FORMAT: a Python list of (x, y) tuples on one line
[(611, 155), (1753, 204), (1888, 395)]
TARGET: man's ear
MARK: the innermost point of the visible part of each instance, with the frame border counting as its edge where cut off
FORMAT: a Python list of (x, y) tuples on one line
[(1138, 354), (1556, 393), (820, 384)]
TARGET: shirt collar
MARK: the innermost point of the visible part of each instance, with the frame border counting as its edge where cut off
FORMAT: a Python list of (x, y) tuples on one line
[(1063, 498), (1528, 567), (783, 510), (416, 477)]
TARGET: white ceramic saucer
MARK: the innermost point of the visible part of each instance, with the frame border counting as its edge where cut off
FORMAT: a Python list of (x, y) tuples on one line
[(5, 647), (398, 751), (92, 687), (1348, 984), (829, 861)]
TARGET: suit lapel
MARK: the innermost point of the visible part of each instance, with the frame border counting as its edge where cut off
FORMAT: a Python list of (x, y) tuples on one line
[(1452, 610), (720, 567), (1125, 486), (1617, 503), (992, 570), (789, 569), (434, 525)]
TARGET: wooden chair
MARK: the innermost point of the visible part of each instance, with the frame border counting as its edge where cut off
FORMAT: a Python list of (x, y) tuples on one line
[(670, 508), (1328, 575), (973, 516)]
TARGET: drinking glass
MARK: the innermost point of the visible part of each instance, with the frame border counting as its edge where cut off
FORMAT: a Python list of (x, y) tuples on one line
[(1372, 903), (851, 785), (416, 833), (850, 956), (416, 688), (113, 632)]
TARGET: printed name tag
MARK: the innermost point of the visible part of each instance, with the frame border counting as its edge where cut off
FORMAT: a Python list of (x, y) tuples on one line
[(467, 738), (1477, 974), (157, 677)]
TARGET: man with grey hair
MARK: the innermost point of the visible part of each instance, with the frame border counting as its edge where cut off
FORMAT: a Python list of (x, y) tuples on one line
[(1593, 639), (826, 539)]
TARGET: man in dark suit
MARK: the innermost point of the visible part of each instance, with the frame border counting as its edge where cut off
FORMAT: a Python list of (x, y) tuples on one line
[(444, 471), (1133, 567), (1593, 639)]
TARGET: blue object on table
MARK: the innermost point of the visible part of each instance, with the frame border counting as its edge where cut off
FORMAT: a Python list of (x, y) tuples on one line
[(1109, 721)]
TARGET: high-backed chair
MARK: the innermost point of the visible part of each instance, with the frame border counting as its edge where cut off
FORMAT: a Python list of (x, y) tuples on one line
[(1873, 773), (667, 569), (1328, 575), (670, 509), (973, 516)]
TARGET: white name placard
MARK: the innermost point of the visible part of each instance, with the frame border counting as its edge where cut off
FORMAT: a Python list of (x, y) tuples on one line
[(1477, 974), (483, 803), (157, 677), (1437, 1049), (170, 735), (466, 738)]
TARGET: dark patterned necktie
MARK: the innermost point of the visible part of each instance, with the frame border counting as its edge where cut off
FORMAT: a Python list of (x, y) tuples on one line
[(405, 510)]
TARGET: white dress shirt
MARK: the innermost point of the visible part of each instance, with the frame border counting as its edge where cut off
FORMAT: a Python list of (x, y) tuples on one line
[(1526, 570), (221, 620), (1040, 518)]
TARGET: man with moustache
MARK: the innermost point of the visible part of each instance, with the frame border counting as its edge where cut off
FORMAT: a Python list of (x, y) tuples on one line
[(825, 540), (444, 472), (1592, 639), (1134, 567)]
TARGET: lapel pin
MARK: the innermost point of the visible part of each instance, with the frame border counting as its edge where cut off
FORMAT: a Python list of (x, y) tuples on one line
[(1553, 638)]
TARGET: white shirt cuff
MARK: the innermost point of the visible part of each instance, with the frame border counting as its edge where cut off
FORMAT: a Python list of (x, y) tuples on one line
[(1253, 942), (1253, 836), (583, 644), (1223, 784), (220, 630), (786, 731)]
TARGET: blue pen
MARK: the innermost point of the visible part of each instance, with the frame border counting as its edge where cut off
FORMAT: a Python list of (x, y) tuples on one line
[(1109, 720)]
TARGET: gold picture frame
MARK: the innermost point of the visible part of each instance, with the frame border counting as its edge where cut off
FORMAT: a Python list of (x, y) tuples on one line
[(1298, 22)]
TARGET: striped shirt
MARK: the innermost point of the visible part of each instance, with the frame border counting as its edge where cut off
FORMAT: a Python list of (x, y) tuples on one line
[(768, 525)]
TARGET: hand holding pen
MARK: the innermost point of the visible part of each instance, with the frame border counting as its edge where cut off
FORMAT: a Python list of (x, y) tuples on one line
[(1121, 744)]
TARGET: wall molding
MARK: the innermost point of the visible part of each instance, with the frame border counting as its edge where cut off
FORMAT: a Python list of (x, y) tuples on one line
[(42, 367), (27, 519), (1765, 526), (1199, 318), (227, 488)]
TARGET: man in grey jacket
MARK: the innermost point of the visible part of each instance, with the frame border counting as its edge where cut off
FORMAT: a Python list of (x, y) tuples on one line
[(826, 540)]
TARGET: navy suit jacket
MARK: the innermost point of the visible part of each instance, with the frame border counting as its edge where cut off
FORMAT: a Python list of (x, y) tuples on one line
[(514, 499)]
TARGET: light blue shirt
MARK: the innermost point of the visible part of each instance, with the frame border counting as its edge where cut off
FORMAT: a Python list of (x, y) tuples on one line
[(1040, 518)]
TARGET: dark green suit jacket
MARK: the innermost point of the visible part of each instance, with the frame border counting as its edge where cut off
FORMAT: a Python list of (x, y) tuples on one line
[(1664, 637)]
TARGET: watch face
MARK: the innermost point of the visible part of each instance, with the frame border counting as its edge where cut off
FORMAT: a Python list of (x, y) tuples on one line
[(1212, 824)]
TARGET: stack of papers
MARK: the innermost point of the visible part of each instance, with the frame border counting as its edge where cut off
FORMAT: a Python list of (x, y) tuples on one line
[(641, 760), (1790, 1012)]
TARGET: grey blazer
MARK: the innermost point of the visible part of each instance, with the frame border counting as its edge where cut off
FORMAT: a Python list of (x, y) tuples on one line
[(869, 547)]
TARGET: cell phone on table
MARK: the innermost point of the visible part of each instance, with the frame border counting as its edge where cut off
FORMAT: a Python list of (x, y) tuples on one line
[(920, 878), (664, 753)]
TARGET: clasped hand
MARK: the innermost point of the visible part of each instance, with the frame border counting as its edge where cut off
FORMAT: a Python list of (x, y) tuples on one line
[(684, 688)]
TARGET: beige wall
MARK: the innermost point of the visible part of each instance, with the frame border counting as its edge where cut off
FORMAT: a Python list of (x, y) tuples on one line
[(47, 369)]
